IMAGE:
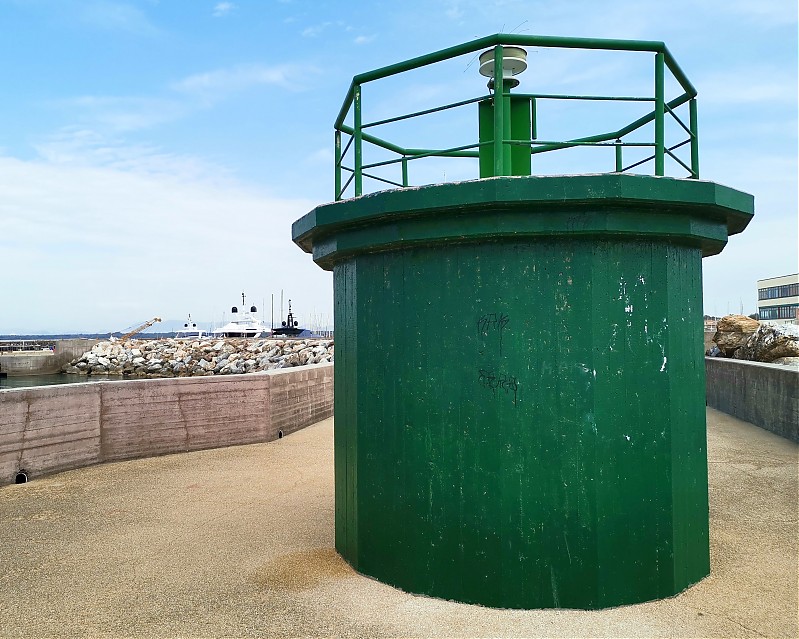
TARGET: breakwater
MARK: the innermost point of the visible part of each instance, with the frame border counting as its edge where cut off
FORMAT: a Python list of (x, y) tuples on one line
[(766, 395), (193, 358), (44, 362), (54, 428)]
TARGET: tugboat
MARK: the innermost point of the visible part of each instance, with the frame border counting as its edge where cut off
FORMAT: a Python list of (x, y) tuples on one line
[(291, 328), (242, 325)]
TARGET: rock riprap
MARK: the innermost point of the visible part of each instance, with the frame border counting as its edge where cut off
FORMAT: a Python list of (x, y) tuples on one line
[(733, 331), (187, 358), (777, 343)]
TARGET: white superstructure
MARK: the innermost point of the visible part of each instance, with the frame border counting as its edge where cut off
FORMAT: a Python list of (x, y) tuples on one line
[(243, 324)]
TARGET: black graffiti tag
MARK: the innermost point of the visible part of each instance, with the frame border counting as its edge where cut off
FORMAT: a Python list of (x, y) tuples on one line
[(492, 322), (499, 382)]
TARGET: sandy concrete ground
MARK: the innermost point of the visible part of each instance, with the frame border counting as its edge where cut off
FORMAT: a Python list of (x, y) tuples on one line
[(238, 542)]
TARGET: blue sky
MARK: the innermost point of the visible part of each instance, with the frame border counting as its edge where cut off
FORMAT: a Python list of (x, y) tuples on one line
[(154, 154)]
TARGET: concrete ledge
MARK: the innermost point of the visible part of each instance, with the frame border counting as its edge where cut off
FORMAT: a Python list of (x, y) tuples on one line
[(45, 362), (54, 428), (766, 395)]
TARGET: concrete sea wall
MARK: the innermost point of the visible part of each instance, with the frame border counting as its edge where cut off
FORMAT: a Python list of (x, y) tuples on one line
[(55, 428), (766, 395), (45, 362)]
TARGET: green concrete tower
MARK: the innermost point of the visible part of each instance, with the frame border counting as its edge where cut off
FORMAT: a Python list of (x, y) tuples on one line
[(519, 392)]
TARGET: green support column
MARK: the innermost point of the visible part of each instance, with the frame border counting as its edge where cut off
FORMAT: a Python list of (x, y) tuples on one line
[(358, 141), (337, 175), (519, 398), (533, 126), (499, 114), (517, 125), (693, 125), (660, 135)]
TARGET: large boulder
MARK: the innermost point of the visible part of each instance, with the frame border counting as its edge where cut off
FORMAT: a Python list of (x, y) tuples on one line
[(770, 342), (733, 331)]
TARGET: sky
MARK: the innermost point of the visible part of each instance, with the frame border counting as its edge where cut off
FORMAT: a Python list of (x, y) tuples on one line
[(154, 153)]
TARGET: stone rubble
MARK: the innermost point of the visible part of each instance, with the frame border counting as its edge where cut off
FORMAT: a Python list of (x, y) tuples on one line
[(732, 333), (744, 338), (770, 343), (193, 357)]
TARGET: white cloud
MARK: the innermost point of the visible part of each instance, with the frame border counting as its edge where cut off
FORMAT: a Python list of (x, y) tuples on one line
[(767, 247), (120, 16), (323, 156), (748, 85), (222, 9), (454, 12), (363, 39), (110, 245), (765, 12), (77, 147), (124, 113), (315, 30), (114, 115), (213, 85)]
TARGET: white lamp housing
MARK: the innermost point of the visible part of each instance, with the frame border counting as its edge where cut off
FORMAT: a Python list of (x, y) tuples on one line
[(514, 62)]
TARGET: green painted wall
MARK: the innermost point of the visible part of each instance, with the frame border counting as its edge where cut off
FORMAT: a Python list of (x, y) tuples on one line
[(521, 424), (519, 399)]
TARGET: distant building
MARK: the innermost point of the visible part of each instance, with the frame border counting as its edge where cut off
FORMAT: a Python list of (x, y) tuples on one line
[(778, 299)]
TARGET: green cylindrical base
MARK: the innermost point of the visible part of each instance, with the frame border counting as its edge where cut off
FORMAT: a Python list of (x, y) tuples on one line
[(519, 416), (522, 425)]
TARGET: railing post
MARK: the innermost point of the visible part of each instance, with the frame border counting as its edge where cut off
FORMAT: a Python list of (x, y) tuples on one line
[(619, 161), (533, 127), (358, 141), (404, 171), (660, 101), (338, 165), (693, 124), (499, 113)]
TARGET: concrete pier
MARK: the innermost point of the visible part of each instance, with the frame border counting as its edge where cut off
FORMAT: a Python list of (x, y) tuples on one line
[(44, 362), (238, 542), (54, 428), (766, 395)]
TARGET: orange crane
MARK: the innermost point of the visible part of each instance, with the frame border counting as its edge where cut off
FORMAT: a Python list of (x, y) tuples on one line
[(139, 329)]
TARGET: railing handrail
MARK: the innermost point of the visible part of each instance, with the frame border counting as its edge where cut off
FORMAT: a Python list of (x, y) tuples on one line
[(520, 40), (663, 60)]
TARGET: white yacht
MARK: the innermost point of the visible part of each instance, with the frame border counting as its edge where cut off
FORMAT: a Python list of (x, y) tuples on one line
[(243, 324), (190, 330)]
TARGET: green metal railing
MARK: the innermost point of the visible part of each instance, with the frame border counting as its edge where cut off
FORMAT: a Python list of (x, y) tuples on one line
[(663, 60)]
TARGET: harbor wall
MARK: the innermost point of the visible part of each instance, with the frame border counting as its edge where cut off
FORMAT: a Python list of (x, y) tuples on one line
[(766, 395), (45, 362), (50, 429)]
